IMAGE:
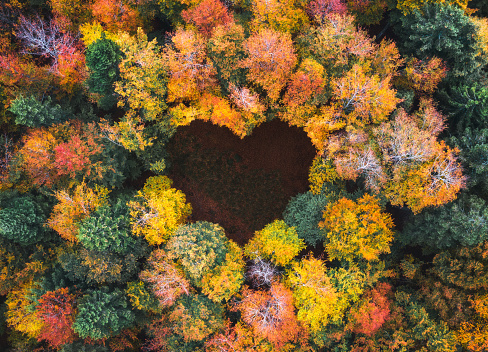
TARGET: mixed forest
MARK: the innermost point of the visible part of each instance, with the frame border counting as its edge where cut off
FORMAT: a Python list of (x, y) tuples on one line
[(244, 175)]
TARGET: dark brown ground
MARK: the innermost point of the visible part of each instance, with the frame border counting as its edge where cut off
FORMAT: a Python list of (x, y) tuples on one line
[(240, 184)]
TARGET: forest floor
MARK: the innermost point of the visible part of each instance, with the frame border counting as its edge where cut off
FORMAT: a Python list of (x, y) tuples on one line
[(241, 184)]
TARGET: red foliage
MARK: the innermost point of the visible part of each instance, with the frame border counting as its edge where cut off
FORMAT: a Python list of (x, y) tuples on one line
[(207, 15), (373, 312), (57, 311), (319, 9), (115, 15)]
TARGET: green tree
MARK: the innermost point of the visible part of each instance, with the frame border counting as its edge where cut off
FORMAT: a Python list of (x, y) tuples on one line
[(443, 31), (276, 242), (199, 247), (466, 106), (31, 112), (102, 58), (107, 229), (103, 313), (22, 219), (463, 222), (304, 212)]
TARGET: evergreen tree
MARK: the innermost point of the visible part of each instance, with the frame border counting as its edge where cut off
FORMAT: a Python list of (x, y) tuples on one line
[(103, 313), (466, 105), (443, 31), (107, 229), (31, 112), (463, 222), (304, 212), (21, 221), (102, 58)]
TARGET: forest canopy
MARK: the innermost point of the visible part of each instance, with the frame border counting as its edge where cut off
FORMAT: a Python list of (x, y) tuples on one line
[(126, 225)]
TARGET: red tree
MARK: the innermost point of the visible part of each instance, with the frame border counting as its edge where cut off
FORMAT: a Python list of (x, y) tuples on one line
[(56, 309), (207, 15)]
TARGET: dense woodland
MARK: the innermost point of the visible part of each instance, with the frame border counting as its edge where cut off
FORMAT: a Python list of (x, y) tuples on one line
[(243, 175)]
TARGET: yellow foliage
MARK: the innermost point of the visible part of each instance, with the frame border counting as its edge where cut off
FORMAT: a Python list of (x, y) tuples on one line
[(322, 171), (226, 279), (277, 242), (91, 32), (20, 315), (280, 15), (314, 295), (409, 6), (159, 210), (357, 229), (71, 209)]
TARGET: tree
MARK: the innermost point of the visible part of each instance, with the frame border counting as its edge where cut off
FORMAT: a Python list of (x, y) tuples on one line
[(314, 295), (460, 223), (71, 209), (466, 105), (372, 311), (20, 313), (262, 273), (190, 73), (31, 112), (199, 247), (102, 59), (207, 15), (45, 39), (226, 279), (280, 15), (158, 210), (276, 242), (271, 314), (363, 99), (107, 229), (238, 338), (270, 60), (102, 313), (357, 230), (22, 220), (195, 317), (443, 31), (423, 75), (166, 279), (318, 10), (304, 212), (116, 15), (56, 309), (409, 6)]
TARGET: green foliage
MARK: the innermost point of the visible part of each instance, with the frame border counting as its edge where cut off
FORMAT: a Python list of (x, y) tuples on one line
[(474, 155), (103, 313), (107, 229), (199, 247), (141, 297), (466, 105), (463, 222), (432, 335), (195, 317), (443, 31), (21, 221), (81, 346), (277, 242), (31, 112), (304, 212), (102, 58)]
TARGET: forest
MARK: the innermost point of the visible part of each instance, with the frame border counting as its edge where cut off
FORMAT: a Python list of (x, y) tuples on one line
[(244, 175)]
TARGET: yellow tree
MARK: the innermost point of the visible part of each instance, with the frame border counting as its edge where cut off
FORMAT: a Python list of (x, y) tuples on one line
[(270, 60), (357, 230), (314, 295), (73, 207), (277, 242), (281, 15), (158, 210)]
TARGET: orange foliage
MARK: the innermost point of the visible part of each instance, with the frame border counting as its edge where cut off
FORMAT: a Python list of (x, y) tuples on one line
[(115, 15), (189, 69), (271, 58), (207, 15), (271, 314), (71, 209), (424, 76)]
